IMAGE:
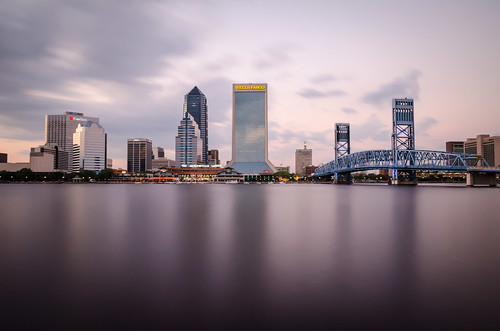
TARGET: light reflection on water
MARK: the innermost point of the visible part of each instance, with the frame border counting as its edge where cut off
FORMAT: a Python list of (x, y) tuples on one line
[(255, 255)]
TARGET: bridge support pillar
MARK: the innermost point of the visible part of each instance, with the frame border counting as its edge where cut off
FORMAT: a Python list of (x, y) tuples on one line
[(343, 178), (404, 177), (481, 178)]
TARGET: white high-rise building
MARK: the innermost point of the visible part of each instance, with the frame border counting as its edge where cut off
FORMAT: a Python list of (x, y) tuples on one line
[(59, 130), (89, 147), (188, 143)]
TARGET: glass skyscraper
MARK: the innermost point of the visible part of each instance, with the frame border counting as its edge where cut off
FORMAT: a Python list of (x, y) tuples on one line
[(249, 154), (188, 144), (195, 103)]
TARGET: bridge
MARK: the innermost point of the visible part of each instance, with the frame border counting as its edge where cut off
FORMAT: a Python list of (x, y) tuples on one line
[(402, 159)]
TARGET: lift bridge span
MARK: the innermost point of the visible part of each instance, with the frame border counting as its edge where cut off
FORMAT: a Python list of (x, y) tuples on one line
[(403, 159)]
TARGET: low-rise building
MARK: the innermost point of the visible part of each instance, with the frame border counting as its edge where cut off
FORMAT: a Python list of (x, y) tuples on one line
[(309, 170), (13, 167), (47, 158), (485, 145), (283, 169)]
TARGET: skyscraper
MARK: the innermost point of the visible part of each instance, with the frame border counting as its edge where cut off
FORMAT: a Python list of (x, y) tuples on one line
[(89, 147), (59, 130), (195, 103), (188, 143), (139, 155), (249, 153), (303, 158)]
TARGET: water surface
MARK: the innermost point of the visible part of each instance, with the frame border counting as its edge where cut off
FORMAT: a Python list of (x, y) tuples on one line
[(87, 256)]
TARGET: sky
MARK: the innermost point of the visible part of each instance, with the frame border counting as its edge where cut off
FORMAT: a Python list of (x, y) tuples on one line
[(130, 63)]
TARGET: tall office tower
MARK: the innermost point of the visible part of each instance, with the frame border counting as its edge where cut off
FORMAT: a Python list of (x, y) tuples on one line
[(89, 147), (59, 130), (3, 157), (188, 143), (139, 155), (303, 158), (249, 153), (158, 153), (195, 103)]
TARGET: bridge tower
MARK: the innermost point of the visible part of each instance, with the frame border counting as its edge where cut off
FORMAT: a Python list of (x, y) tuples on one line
[(342, 148), (403, 138)]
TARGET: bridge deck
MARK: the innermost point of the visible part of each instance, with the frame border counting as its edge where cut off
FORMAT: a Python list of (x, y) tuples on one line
[(406, 160)]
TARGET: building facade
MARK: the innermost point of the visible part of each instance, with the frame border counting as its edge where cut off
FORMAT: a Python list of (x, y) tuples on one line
[(283, 169), (455, 147), (3, 157), (195, 103), (309, 170), (59, 130), (250, 130), (158, 152), (188, 143), (139, 155), (46, 158), (485, 145), (162, 163), (213, 157), (89, 147), (303, 158)]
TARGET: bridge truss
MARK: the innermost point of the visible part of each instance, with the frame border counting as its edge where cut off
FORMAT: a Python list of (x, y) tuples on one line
[(404, 160)]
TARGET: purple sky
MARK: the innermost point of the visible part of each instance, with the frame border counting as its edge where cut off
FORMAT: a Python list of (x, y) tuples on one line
[(130, 63)]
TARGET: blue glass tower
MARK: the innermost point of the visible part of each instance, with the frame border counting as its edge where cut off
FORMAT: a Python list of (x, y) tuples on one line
[(195, 103), (249, 154)]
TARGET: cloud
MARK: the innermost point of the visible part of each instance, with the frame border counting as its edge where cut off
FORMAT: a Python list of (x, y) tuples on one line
[(323, 78), (313, 93), (89, 56), (275, 55), (373, 129), (423, 126), (349, 110), (406, 86)]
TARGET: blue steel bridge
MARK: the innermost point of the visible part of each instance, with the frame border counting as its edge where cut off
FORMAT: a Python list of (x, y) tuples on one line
[(403, 158)]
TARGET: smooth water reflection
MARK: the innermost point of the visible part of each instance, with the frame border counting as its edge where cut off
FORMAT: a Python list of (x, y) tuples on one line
[(214, 255)]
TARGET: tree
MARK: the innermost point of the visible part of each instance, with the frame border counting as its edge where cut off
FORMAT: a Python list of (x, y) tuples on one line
[(282, 175), (105, 174), (87, 174), (25, 174)]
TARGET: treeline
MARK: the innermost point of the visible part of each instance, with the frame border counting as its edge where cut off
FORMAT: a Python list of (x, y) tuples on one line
[(27, 175)]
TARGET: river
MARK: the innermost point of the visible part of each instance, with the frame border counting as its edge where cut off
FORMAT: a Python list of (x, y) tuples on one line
[(233, 256)]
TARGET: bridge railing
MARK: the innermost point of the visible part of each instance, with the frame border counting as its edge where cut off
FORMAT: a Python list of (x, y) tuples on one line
[(407, 159)]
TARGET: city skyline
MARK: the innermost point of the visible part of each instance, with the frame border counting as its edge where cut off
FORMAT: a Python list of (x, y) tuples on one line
[(324, 62)]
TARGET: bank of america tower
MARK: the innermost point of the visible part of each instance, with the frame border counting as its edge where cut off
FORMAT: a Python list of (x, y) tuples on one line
[(195, 103)]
